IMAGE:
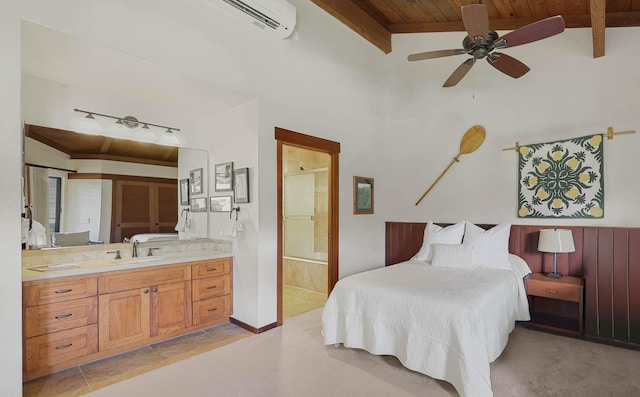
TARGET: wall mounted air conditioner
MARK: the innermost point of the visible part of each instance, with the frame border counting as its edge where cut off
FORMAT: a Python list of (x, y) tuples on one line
[(276, 16)]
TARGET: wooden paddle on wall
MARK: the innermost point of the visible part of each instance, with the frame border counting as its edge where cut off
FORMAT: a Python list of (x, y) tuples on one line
[(471, 141)]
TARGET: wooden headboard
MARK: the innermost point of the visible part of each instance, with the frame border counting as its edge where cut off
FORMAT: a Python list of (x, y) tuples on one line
[(607, 257)]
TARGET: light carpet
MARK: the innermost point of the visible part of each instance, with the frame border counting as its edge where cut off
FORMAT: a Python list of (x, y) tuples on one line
[(292, 361)]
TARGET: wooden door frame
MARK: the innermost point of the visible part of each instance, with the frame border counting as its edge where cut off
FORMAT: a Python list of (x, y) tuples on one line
[(291, 138)]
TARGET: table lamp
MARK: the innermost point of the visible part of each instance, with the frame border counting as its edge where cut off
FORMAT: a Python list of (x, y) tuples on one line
[(555, 240)]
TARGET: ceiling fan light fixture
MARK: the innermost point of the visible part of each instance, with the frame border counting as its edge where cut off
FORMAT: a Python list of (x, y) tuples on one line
[(481, 41)]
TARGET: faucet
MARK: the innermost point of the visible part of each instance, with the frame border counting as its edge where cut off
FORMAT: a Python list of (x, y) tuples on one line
[(117, 252), (134, 253)]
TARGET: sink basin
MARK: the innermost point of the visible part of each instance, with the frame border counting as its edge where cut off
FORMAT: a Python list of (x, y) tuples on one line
[(132, 261), (50, 268)]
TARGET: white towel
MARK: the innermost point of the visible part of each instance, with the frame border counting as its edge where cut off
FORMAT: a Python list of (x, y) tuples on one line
[(34, 236), (180, 226), (184, 223), (235, 228)]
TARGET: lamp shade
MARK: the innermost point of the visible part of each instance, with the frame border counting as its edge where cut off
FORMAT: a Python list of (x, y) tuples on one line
[(556, 240)]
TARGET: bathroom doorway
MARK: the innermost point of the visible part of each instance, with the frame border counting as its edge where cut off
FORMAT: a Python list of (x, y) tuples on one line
[(307, 221)]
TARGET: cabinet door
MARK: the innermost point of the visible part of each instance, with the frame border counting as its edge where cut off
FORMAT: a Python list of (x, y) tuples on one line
[(133, 212), (170, 307), (143, 207), (124, 318), (166, 209)]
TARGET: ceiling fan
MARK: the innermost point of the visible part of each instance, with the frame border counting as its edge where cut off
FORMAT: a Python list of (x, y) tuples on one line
[(481, 42)]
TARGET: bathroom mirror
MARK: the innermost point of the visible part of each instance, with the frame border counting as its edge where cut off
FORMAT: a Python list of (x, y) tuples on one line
[(112, 188)]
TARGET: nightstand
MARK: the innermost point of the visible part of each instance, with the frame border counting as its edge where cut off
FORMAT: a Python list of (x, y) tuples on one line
[(556, 304)]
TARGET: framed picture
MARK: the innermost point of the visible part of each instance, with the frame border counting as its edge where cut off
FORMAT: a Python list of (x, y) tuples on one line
[(199, 204), (220, 204), (184, 191), (196, 181), (241, 185), (362, 195), (224, 177)]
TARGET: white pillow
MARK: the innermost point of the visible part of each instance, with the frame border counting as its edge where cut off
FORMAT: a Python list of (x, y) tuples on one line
[(519, 266), (490, 247), (436, 234), (452, 255)]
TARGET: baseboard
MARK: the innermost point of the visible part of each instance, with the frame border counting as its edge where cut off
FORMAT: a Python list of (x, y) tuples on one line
[(250, 328)]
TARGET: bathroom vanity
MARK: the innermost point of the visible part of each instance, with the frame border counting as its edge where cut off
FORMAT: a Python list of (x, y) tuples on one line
[(79, 312)]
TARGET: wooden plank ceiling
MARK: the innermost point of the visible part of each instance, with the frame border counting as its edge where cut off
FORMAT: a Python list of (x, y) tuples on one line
[(377, 20), (85, 147)]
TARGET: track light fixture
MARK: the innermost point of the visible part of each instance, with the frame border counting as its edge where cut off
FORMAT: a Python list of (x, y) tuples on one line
[(168, 137)]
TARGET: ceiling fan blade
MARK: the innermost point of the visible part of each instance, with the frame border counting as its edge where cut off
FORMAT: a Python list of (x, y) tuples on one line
[(533, 32), (434, 54), (508, 65), (476, 20), (459, 73)]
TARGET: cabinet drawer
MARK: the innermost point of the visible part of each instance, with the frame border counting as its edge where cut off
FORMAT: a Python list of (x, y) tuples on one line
[(211, 267), (54, 317), (51, 291), (125, 280), (212, 311), (554, 290), (51, 349), (210, 287)]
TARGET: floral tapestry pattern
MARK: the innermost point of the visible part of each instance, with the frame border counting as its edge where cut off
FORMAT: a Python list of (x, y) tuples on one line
[(561, 179)]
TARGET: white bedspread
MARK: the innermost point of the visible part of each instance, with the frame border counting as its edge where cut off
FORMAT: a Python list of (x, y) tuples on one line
[(447, 323)]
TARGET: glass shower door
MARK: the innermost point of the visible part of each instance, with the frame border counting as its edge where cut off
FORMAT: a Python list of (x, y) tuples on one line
[(299, 193)]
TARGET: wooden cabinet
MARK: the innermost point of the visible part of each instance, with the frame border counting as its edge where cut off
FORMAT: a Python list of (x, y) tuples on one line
[(211, 291), (60, 317), (563, 312), (72, 320), (143, 207), (139, 305)]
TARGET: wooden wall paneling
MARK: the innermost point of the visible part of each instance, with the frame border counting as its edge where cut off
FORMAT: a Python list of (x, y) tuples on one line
[(621, 285), (575, 258), (590, 273), (634, 286), (605, 282), (514, 239)]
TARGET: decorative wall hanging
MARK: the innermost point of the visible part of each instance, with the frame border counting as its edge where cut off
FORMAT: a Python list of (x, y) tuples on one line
[(362, 195), (224, 177), (195, 182), (184, 191), (241, 185), (471, 141), (199, 204), (220, 203), (561, 179)]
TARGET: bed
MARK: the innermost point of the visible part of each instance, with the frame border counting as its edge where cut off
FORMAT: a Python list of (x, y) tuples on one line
[(444, 317)]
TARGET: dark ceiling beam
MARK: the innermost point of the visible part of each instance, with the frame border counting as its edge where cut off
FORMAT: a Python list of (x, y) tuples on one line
[(359, 21), (598, 23), (613, 20)]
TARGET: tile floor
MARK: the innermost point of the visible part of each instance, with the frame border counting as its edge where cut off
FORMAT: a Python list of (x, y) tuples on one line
[(298, 300), (95, 375)]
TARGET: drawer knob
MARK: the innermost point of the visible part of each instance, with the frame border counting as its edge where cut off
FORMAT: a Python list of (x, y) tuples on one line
[(64, 346), (212, 309), (63, 291), (212, 269), (59, 316), (212, 287), (551, 291), (154, 290), (146, 291)]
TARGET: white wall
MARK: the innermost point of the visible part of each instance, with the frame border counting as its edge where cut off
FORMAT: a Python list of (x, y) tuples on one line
[(239, 126), (566, 94)]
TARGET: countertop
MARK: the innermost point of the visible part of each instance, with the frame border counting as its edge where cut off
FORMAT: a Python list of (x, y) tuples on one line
[(107, 265)]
